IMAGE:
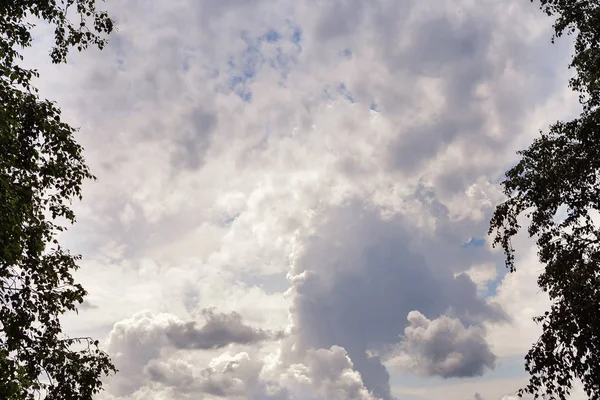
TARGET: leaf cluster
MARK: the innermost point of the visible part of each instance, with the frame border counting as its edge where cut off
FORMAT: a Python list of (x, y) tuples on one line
[(41, 171)]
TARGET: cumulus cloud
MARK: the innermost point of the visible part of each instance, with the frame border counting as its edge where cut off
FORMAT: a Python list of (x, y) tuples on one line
[(330, 374), (229, 376), (137, 344), (443, 347), (218, 331), (354, 282)]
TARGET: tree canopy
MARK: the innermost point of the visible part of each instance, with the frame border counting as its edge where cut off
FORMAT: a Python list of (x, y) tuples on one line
[(41, 171), (561, 171)]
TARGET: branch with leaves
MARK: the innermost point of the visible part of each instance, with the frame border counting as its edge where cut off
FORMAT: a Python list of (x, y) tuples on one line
[(561, 171), (41, 171)]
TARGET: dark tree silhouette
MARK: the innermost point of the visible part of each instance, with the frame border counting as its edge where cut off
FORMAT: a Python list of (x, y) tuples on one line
[(41, 171), (561, 169)]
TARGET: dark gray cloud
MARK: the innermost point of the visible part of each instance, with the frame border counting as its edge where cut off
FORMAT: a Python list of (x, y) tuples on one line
[(456, 54), (443, 347), (218, 331), (356, 281)]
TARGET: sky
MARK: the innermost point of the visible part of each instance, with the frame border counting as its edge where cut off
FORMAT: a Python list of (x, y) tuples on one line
[(293, 196)]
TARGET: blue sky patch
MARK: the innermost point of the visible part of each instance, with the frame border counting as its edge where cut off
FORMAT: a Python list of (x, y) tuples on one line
[(492, 286), (473, 242), (243, 69), (343, 90), (297, 36), (272, 36)]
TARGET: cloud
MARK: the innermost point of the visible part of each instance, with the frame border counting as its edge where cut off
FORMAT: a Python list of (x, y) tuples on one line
[(321, 374), (351, 145), (218, 331), (443, 347), (331, 373), (523, 300), (87, 305), (354, 282), (229, 376), (138, 343)]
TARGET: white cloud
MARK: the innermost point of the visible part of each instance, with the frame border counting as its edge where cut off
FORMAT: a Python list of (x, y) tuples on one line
[(522, 300), (482, 275), (230, 376), (321, 374), (138, 345)]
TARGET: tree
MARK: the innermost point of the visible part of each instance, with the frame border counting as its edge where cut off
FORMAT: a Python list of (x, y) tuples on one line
[(41, 170), (561, 171)]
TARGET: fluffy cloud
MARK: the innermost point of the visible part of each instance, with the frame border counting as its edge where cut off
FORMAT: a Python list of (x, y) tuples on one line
[(443, 347), (321, 374), (330, 372), (355, 281), (229, 376), (351, 146), (138, 343), (218, 331)]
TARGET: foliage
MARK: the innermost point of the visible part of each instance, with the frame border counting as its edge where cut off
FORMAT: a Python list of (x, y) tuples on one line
[(41, 171), (561, 170)]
